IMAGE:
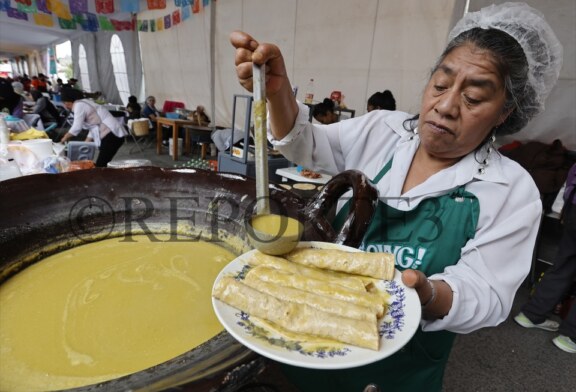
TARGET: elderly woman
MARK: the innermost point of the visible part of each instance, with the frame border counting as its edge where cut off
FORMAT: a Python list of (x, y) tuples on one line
[(151, 113), (465, 218), (104, 129)]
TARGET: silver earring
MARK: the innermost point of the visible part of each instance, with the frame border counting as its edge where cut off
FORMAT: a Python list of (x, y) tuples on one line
[(483, 163)]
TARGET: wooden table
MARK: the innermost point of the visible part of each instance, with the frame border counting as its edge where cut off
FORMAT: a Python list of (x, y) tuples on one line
[(175, 124), (198, 134)]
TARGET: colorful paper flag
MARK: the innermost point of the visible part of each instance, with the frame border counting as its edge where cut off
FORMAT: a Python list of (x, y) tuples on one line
[(122, 25), (196, 7), (4, 5), (143, 25), (44, 6), (26, 6), (130, 6), (43, 20), (61, 10), (78, 6), (167, 21), (14, 13), (186, 13), (156, 5), (152, 25), (67, 24), (105, 6), (25, 3), (88, 21), (159, 24), (175, 17), (205, 3), (105, 23)]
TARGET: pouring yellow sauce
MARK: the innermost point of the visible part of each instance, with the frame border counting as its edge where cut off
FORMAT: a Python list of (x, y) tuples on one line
[(106, 309)]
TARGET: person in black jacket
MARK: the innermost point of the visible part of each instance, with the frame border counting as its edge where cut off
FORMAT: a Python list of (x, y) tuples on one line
[(134, 109), (44, 107)]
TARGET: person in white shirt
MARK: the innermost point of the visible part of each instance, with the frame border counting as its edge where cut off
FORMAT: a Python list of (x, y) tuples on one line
[(103, 128), (460, 218)]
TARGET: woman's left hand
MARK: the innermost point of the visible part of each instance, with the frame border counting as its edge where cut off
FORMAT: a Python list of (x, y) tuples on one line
[(418, 281), (435, 295)]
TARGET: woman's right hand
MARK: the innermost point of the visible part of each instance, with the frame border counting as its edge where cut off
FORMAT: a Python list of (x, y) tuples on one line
[(248, 52), (282, 106)]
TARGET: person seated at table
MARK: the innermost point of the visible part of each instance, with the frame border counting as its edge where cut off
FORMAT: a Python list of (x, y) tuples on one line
[(10, 101), (133, 108), (57, 87), (151, 113), (200, 117), (43, 83), (324, 112), (73, 83), (103, 128), (19, 89), (383, 100), (47, 111)]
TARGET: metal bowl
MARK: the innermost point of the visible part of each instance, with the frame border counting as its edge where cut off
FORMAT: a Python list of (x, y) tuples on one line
[(47, 213)]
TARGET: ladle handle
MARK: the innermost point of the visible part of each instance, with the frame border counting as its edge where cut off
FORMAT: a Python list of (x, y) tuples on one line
[(261, 145), (360, 209)]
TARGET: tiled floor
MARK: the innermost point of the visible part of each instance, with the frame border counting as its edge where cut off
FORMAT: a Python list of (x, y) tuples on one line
[(130, 151)]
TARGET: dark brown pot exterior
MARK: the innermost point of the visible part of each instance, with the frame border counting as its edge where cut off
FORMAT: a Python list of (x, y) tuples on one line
[(44, 214)]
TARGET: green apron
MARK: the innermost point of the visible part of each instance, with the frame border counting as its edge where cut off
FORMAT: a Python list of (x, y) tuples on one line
[(428, 238)]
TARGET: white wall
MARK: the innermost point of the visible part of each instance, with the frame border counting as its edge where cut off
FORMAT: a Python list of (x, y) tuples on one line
[(355, 46), (358, 47)]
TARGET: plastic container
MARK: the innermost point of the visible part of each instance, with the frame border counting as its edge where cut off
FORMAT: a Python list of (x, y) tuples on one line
[(309, 97), (4, 137), (171, 143), (42, 148), (9, 170)]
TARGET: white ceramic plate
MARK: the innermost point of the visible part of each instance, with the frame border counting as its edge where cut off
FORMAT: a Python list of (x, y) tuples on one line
[(292, 174), (396, 328)]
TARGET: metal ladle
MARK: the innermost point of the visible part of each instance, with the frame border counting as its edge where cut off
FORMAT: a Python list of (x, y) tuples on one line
[(273, 234)]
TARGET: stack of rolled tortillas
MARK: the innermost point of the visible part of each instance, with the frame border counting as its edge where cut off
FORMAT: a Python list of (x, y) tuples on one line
[(314, 293)]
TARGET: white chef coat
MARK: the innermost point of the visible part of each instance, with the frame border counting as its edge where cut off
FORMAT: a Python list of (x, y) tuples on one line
[(495, 262), (96, 119)]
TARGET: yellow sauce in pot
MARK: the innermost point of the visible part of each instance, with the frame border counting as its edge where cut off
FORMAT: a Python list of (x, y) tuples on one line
[(106, 309)]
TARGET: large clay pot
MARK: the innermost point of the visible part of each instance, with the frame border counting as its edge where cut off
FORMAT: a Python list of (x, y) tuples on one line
[(43, 214)]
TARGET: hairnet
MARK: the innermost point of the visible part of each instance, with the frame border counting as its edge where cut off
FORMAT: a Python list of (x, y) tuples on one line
[(528, 27)]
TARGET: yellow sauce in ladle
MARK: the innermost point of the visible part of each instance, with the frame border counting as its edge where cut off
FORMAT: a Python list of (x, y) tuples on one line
[(107, 309)]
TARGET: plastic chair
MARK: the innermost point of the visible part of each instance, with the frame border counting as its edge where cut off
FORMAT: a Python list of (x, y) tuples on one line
[(50, 127), (170, 106)]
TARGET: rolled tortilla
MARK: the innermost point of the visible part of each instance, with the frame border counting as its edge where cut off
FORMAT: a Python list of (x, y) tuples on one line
[(297, 317), (320, 302), (321, 287), (352, 282), (377, 265)]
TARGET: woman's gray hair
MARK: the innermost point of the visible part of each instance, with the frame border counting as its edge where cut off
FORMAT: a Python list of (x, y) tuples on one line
[(150, 98), (527, 52)]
